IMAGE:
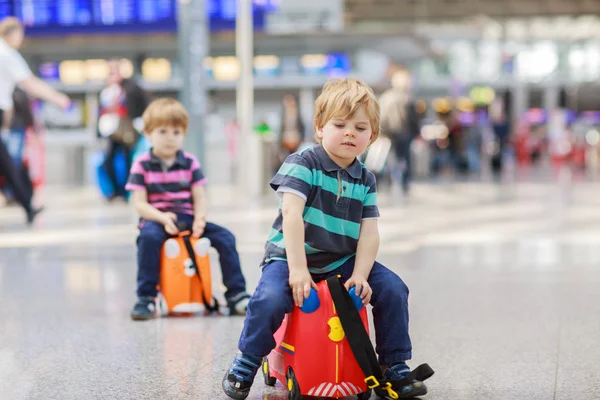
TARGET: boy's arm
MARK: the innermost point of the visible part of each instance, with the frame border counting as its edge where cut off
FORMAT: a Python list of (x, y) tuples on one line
[(199, 198), (149, 213), (293, 234), (368, 245)]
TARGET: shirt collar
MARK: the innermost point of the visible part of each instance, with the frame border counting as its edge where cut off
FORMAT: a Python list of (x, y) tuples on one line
[(179, 159), (355, 169)]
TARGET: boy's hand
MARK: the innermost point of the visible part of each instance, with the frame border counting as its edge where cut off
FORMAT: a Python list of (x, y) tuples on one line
[(301, 282), (363, 289), (198, 226), (168, 221)]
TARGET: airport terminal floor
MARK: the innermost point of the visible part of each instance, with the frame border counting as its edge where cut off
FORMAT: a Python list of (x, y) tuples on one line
[(504, 299)]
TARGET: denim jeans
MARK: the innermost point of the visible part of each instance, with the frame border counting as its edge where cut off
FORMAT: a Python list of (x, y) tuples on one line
[(19, 190), (153, 235), (15, 144), (273, 299)]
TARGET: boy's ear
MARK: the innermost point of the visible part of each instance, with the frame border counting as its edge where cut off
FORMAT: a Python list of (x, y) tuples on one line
[(319, 132)]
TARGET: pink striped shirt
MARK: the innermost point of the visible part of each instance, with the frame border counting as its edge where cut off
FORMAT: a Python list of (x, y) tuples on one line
[(169, 189)]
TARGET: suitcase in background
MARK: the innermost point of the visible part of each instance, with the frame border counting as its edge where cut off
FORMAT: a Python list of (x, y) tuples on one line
[(185, 279)]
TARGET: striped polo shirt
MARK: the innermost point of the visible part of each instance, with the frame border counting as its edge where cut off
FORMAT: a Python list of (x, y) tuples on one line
[(337, 200), (169, 188)]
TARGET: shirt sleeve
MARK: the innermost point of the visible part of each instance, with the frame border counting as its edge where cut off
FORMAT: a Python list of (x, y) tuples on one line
[(198, 177), (295, 174), (136, 179), (18, 68), (370, 209), (285, 189)]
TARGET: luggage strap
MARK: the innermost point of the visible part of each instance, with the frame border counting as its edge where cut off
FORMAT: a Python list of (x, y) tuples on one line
[(362, 348), (192, 254)]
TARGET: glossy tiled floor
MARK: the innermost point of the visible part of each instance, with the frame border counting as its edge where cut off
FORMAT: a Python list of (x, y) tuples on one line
[(504, 296)]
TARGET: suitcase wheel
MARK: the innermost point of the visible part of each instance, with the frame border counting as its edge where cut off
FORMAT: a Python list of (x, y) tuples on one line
[(269, 380), (161, 306), (292, 385)]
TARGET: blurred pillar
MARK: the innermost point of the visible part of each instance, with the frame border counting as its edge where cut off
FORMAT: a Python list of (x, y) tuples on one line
[(519, 104), (551, 97), (193, 32), (250, 171), (307, 107)]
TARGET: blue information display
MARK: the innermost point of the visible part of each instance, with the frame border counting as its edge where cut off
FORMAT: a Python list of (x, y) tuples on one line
[(59, 17), (95, 16), (6, 8)]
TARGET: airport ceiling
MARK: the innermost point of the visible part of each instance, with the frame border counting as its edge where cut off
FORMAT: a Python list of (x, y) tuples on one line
[(377, 10)]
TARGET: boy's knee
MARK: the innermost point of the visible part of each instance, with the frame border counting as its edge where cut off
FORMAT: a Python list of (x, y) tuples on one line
[(269, 302), (151, 236), (228, 237), (396, 288), (224, 237), (400, 285)]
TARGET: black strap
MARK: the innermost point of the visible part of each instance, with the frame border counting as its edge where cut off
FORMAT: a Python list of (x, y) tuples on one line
[(357, 335), (192, 254), (362, 348)]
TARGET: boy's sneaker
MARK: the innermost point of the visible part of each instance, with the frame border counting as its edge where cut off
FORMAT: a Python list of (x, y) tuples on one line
[(144, 309), (238, 305), (238, 379), (400, 371)]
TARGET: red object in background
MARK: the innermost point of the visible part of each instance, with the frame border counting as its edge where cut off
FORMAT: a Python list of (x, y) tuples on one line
[(578, 156), (34, 156), (522, 151), (312, 355)]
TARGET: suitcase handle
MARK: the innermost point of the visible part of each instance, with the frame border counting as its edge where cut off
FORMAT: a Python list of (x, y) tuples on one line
[(361, 346), (183, 229), (185, 235)]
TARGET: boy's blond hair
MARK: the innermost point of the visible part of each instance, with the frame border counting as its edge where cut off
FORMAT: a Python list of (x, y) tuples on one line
[(165, 112), (341, 98), (9, 25)]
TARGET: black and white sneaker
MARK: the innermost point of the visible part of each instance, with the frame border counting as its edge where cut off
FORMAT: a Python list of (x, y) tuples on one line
[(238, 379), (144, 309), (238, 304)]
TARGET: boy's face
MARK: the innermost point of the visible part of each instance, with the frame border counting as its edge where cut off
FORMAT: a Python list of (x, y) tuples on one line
[(346, 139), (166, 140)]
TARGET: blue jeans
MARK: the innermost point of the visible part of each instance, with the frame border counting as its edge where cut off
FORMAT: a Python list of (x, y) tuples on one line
[(153, 235), (273, 299), (15, 144)]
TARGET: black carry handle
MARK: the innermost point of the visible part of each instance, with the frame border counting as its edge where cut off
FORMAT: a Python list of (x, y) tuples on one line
[(361, 346), (192, 254)]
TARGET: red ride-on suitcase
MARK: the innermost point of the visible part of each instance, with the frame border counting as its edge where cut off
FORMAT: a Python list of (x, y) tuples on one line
[(312, 356)]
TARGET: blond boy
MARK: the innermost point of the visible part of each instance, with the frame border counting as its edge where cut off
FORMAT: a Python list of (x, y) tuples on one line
[(327, 225)]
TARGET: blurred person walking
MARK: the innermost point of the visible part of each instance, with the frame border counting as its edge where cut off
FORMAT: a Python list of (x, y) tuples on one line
[(400, 123), (15, 71), (122, 102), (292, 128), (501, 128), (22, 120), (456, 141)]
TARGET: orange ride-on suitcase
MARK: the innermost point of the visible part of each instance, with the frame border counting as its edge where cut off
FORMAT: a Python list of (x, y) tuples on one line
[(185, 283)]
